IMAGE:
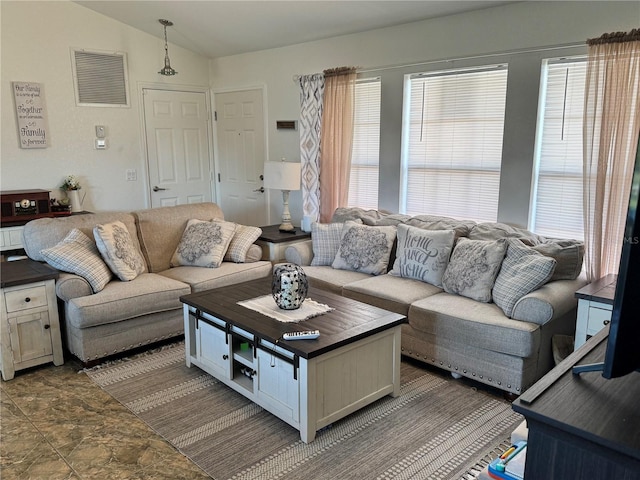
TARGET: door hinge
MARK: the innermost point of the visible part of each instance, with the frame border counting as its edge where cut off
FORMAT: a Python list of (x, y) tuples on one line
[(219, 178), (215, 115)]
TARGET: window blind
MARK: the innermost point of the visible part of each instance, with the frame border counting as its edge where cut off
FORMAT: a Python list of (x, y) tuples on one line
[(556, 207), (452, 145), (365, 152)]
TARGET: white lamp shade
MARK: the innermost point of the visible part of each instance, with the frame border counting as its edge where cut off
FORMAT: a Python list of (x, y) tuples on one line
[(282, 175)]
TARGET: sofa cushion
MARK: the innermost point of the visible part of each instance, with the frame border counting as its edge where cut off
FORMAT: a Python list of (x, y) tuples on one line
[(473, 268), (228, 273), (241, 242), (422, 254), (523, 270), (469, 322), (203, 244), (568, 255), (435, 222), (47, 232), (160, 229), (147, 293), (389, 292), (495, 230), (328, 278), (118, 251), (78, 254), (364, 248)]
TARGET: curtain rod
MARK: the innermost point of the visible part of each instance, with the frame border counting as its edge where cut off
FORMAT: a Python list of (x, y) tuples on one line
[(472, 57)]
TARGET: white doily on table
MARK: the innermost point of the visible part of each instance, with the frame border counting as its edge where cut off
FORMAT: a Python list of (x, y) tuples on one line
[(266, 305)]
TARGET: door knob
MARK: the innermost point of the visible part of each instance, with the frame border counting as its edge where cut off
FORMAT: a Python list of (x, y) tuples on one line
[(261, 190), (261, 177), (157, 188)]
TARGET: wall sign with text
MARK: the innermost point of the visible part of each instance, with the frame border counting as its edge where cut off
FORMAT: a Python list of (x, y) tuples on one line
[(31, 113)]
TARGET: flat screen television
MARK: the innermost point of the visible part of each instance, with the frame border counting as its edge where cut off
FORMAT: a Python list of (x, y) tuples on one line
[(623, 344)]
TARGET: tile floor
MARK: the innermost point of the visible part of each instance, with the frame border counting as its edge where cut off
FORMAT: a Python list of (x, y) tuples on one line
[(55, 423)]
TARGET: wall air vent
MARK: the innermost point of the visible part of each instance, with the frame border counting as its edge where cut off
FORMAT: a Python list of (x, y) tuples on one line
[(100, 78)]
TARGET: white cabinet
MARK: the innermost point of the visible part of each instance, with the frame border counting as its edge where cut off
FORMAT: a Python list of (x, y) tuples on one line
[(11, 238), (595, 305), (30, 327)]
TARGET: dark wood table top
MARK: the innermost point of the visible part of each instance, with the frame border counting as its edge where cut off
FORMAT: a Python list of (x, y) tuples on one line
[(272, 234), (21, 272), (602, 290), (348, 322)]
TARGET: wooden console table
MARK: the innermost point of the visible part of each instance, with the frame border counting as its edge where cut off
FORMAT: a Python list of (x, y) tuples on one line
[(582, 426)]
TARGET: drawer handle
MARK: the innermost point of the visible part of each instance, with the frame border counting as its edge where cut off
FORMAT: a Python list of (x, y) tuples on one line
[(606, 322), (27, 300), (47, 327)]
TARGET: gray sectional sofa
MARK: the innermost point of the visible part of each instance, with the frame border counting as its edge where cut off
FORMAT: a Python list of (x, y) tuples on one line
[(471, 338), (126, 314)]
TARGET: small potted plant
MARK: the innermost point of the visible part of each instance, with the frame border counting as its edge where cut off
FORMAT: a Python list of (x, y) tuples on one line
[(71, 185)]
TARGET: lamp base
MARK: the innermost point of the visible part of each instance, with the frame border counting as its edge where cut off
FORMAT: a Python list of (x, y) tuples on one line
[(287, 228)]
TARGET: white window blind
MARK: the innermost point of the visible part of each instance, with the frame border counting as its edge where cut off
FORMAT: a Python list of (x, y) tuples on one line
[(365, 152), (556, 207), (452, 147)]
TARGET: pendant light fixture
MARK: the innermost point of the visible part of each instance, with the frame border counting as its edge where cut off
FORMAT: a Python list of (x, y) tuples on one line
[(166, 70)]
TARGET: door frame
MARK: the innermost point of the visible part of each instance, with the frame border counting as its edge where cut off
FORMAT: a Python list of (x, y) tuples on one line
[(265, 118), (143, 137)]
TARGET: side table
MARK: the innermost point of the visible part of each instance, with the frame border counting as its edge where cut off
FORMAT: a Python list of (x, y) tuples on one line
[(595, 304), (30, 327), (274, 242)]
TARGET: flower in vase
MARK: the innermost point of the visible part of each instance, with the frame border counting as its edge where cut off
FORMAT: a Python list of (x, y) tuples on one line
[(71, 182)]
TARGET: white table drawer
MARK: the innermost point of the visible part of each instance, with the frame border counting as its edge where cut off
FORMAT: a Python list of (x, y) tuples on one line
[(598, 319), (25, 298)]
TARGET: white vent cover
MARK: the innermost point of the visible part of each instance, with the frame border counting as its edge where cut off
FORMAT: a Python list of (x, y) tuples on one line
[(100, 78)]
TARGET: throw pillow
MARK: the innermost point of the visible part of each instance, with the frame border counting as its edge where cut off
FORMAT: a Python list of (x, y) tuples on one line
[(523, 271), (325, 241), (473, 268), (364, 248), (118, 251), (242, 240), (203, 244), (422, 254), (77, 253)]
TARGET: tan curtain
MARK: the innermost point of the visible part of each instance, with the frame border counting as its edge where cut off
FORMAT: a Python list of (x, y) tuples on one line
[(336, 139), (610, 136)]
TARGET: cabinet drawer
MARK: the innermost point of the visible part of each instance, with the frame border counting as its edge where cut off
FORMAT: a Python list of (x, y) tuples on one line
[(598, 319), (25, 298)]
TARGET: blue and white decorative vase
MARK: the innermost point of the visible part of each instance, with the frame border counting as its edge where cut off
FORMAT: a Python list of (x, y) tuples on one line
[(290, 286)]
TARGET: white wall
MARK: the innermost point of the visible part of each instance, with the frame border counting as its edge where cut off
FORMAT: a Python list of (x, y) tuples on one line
[(36, 41), (514, 27)]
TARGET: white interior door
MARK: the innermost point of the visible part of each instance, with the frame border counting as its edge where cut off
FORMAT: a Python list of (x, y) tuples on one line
[(241, 153), (177, 135)]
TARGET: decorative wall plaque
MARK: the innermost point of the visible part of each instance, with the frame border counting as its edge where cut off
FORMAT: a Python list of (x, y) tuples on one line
[(31, 113)]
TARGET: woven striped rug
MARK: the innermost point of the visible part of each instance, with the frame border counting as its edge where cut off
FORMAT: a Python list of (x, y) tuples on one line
[(438, 428)]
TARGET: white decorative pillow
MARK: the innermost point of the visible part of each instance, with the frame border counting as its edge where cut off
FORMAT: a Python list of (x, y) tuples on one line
[(203, 244), (523, 271), (77, 253), (118, 251), (241, 242), (473, 268), (365, 248), (423, 254)]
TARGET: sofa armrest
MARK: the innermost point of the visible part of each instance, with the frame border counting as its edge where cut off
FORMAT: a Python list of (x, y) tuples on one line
[(550, 301), (70, 286), (300, 253)]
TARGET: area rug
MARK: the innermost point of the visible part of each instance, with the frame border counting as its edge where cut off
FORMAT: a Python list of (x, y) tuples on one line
[(437, 428)]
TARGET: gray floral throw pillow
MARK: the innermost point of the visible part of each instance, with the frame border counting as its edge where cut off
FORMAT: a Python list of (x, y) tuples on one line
[(423, 254), (364, 248), (473, 268), (203, 244), (118, 251)]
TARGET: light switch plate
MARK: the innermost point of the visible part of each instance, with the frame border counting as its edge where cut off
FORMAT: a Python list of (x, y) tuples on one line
[(101, 144)]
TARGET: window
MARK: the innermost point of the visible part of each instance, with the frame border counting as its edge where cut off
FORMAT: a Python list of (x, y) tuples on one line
[(452, 142), (556, 204), (365, 153)]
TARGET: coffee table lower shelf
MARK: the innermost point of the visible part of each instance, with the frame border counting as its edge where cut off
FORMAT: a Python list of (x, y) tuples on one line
[(307, 393)]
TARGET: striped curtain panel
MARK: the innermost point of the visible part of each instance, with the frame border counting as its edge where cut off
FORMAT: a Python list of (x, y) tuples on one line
[(311, 97)]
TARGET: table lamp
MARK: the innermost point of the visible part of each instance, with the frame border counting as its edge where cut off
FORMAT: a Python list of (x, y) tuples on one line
[(283, 176)]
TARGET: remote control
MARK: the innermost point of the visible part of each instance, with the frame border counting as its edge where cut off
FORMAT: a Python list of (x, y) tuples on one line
[(305, 335)]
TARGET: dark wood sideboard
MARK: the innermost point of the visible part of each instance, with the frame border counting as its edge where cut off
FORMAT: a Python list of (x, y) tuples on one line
[(582, 426)]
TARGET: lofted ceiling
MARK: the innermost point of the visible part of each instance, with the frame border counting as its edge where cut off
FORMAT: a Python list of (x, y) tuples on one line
[(216, 28)]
